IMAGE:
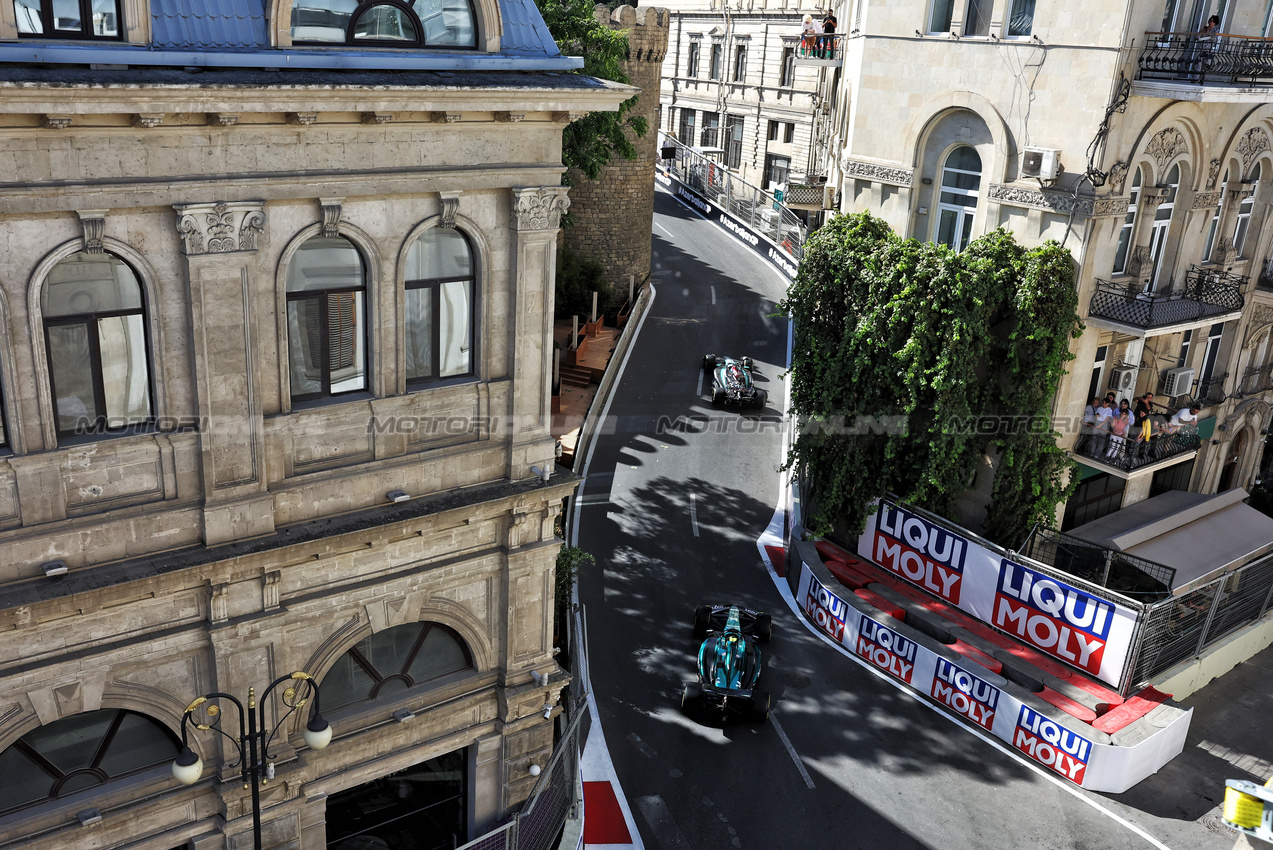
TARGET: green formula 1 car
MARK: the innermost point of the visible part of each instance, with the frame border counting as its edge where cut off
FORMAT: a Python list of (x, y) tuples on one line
[(729, 662), (731, 382)]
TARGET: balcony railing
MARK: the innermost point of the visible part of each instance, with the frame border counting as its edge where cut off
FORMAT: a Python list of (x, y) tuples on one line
[(821, 50), (1189, 57), (1132, 451), (1206, 293), (1257, 379), (1211, 391), (813, 195)]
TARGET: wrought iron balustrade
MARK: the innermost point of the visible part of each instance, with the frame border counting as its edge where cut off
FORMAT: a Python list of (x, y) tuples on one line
[(1211, 391), (1191, 57), (1206, 293), (1129, 452), (1257, 379)]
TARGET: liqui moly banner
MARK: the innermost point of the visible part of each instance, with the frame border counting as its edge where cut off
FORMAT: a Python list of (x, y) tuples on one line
[(966, 693), (1054, 616), (965, 689)]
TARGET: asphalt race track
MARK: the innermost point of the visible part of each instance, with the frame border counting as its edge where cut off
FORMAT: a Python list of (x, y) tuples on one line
[(675, 497)]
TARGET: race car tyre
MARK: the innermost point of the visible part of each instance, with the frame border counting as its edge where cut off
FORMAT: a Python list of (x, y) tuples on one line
[(764, 627), (691, 697), (759, 708), (709, 362), (747, 363), (702, 620), (718, 396), (760, 399)]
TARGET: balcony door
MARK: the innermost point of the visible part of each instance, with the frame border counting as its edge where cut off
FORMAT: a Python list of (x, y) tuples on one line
[(1161, 227), (957, 204)]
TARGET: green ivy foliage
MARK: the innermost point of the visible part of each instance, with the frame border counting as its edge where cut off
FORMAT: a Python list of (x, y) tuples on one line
[(589, 143), (901, 345), (578, 276)]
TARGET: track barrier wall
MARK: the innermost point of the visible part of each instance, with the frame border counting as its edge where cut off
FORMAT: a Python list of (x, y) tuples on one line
[(1010, 712)]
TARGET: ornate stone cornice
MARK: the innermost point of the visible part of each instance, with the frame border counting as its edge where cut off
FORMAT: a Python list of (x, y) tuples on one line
[(877, 173), (1251, 145), (539, 207), (303, 118), (447, 117), (147, 120), (1053, 201), (1165, 146), (377, 117), (92, 223), (509, 117), (331, 208), (1205, 200), (219, 228), (223, 119), (450, 206), (54, 121), (1109, 206)]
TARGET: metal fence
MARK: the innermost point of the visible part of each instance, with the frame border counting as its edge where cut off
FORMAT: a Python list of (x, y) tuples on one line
[(1169, 628), (757, 208), (555, 798), (1182, 627), (1186, 57)]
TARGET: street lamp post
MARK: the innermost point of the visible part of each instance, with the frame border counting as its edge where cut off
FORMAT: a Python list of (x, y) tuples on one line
[(253, 741)]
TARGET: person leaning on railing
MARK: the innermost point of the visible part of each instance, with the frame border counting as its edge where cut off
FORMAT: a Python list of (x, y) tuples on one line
[(808, 37)]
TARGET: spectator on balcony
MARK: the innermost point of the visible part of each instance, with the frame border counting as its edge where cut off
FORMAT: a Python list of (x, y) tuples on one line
[(1104, 418), (1142, 413), (827, 45), (808, 37), (1118, 428), (1211, 27), (1185, 417)]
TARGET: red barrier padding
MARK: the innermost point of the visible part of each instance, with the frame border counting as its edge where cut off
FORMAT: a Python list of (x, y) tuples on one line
[(881, 603), (778, 557), (1069, 706), (830, 552), (1136, 707), (967, 650), (847, 576)]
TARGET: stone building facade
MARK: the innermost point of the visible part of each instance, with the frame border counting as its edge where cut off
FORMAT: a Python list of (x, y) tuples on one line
[(612, 213), (1162, 189), (732, 80), (275, 341)]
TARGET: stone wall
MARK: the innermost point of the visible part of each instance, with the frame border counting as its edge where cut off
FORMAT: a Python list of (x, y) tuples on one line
[(612, 214)]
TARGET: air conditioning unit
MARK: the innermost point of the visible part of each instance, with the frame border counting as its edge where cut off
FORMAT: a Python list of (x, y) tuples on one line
[(1043, 163), (1177, 381), (1122, 378)]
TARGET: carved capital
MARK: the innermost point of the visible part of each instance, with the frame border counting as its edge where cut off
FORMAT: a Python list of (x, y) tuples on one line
[(148, 119), (377, 117), (220, 228), (450, 207), (509, 117), (305, 118), (331, 208), (447, 117), (223, 119), (1240, 193), (539, 207), (55, 121), (92, 223)]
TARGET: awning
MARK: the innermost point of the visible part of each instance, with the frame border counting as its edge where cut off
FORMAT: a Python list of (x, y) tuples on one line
[(1200, 536)]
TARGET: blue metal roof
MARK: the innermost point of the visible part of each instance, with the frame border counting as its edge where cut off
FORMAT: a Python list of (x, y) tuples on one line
[(219, 25), (234, 33)]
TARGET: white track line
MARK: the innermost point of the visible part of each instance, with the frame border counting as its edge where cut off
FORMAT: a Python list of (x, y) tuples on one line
[(694, 514), (713, 294), (786, 742)]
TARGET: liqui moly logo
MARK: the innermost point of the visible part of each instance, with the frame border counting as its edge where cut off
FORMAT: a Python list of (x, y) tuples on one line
[(1053, 616), (886, 649), (1052, 744), (920, 552), (974, 698), (825, 609)]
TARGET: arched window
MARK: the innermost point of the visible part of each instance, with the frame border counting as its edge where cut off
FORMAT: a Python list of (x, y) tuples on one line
[(79, 752), (394, 660), (95, 337), (377, 23), (957, 205), (439, 306), (1162, 226), (326, 319), (1215, 220), (1244, 216), (68, 18), (1129, 226)]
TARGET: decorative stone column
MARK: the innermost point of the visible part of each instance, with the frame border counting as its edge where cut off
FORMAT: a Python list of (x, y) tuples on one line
[(219, 244), (536, 218)]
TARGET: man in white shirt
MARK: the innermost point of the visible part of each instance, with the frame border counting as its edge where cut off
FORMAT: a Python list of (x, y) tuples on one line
[(1184, 416)]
